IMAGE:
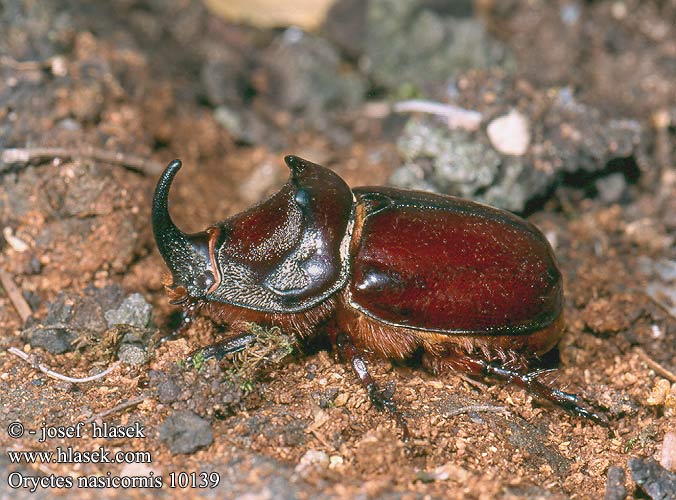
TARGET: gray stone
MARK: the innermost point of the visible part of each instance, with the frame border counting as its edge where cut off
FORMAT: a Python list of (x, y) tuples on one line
[(168, 391), (653, 479), (185, 432), (615, 484), (134, 311), (132, 354), (410, 44), (308, 78), (611, 187), (455, 162), (54, 340)]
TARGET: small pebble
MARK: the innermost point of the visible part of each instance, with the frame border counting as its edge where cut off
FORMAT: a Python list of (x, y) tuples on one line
[(168, 391), (510, 134), (132, 354), (15, 242), (312, 457), (668, 456), (134, 311), (615, 484)]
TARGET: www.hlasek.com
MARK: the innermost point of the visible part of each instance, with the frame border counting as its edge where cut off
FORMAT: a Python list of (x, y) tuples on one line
[(69, 455)]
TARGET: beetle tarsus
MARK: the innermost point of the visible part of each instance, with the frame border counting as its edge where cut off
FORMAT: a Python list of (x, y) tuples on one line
[(229, 346), (565, 400), (348, 352), (529, 380)]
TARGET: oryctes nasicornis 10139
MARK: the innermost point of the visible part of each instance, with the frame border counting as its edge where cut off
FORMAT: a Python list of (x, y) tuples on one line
[(379, 270)]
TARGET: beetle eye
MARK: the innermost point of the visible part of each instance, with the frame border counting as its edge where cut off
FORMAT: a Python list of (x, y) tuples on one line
[(302, 197), (205, 280)]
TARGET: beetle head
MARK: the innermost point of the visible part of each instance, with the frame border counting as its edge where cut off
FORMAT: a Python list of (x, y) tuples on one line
[(186, 255)]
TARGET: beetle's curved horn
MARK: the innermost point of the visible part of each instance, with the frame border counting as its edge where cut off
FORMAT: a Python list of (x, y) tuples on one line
[(176, 247)]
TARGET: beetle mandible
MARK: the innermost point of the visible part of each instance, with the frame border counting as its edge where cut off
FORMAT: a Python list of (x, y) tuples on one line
[(379, 270)]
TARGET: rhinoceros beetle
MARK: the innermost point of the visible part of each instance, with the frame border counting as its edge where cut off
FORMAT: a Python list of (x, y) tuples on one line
[(379, 270)]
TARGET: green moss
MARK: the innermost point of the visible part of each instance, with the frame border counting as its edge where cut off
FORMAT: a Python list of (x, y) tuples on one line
[(272, 346)]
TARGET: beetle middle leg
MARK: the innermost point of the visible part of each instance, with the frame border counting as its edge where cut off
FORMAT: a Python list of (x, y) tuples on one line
[(350, 353), (476, 366)]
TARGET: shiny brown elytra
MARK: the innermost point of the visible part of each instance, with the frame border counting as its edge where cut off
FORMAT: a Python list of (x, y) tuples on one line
[(378, 270)]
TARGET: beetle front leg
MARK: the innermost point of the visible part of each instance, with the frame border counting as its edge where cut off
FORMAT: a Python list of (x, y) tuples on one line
[(219, 350), (475, 366), (226, 347), (350, 353)]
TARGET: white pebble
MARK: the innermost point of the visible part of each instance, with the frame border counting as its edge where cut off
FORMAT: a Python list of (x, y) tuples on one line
[(668, 458), (510, 134), (16, 243)]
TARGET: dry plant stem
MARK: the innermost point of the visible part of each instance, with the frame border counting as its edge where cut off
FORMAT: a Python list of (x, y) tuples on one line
[(116, 409), (22, 65), (457, 117), (476, 408), (24, 156), (58, 376), (15, 296), (664, 306), (659, 369)]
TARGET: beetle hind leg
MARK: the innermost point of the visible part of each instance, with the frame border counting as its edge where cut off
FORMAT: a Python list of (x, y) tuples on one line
[(350, 353), (529, 380)]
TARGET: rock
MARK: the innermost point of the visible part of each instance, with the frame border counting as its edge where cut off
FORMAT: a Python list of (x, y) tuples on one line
[(653, 479), (666, 270), (345, 26), (54, 340), (80, 319), (521, 160), (456, 162), (576, 137), (510, 134), (71, 316), (307, 77), (247, 127), (220, 75), (450, 159), (311, 459), (408, 43), (133, 311), (132, 354), (611, 187), (134, 344), (668, 454), (168, 391), (186, 432), (665, 295), (615, 484)]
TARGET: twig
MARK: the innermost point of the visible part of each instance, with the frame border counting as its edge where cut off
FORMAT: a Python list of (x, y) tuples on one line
[(654, 289), (117, 408), (476, 408), (15, 296), (12, 156), (22, 65), (58, 376), (655, 365), (456, 116)]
